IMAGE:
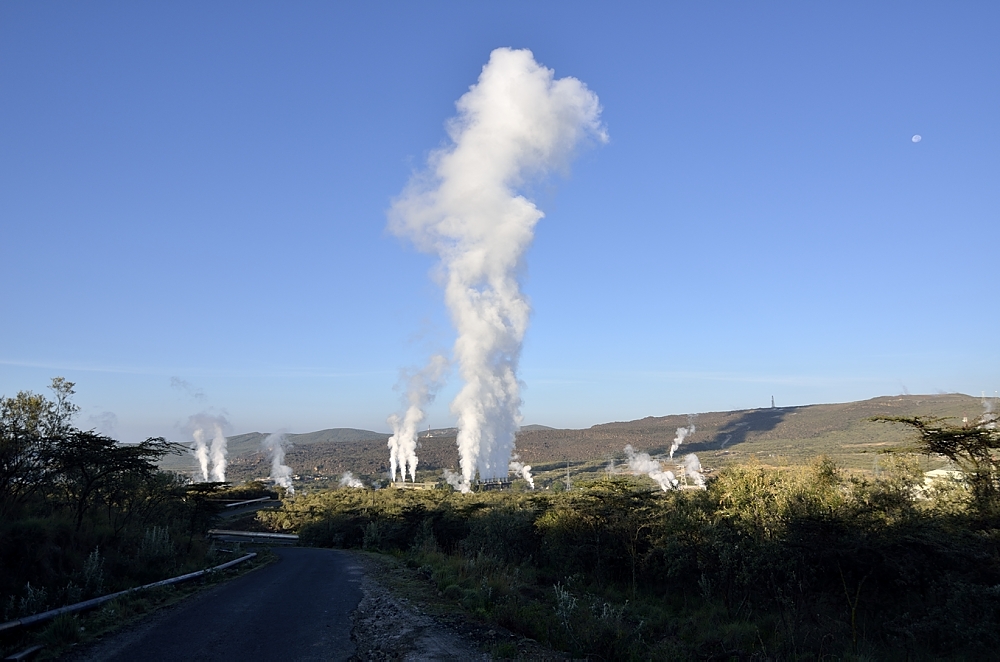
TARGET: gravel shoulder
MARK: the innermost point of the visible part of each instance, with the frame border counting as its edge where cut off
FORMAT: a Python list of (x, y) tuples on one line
[(402, 617)]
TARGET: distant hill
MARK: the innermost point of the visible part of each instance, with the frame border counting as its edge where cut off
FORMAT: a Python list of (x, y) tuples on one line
[(775, 436), (246, 445), (451, 432), (778, 436)]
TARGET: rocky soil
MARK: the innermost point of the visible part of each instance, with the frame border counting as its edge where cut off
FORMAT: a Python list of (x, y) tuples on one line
[(390, 626)]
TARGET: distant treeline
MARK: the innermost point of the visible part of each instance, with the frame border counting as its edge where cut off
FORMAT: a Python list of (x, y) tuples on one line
[(764, 564)]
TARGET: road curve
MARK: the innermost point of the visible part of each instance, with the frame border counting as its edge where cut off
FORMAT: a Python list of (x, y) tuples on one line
[(295, 609)]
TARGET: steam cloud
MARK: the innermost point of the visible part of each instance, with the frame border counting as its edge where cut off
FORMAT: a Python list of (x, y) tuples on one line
[(515, 124), (679, 437), (692, 469), (275, 445), (420, 390), (454, 479), (348, 480), (200, 427), (524, 470), (642, 463)]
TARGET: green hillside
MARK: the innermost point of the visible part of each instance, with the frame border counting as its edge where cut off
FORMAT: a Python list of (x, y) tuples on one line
[(774, 436)]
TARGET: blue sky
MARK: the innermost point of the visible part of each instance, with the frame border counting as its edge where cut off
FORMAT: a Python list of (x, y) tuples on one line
[(198, 191)]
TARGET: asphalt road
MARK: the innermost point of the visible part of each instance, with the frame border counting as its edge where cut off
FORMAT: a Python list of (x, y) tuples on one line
[(297, 608)]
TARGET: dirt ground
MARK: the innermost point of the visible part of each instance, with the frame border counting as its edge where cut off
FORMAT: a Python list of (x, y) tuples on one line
[(401, 617)]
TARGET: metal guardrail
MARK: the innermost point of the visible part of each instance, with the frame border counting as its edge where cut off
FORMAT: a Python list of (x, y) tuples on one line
[(89, 604), (23, 655), (253, 534), (244, 503)]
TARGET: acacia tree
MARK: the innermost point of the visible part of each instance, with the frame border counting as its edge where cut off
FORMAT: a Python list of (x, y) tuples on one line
[(22, 459), (41, 450), (132, 499), (90, 467), (975, 449), (28, 424)]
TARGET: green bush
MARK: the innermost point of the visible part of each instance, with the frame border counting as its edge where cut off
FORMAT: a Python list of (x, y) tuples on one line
[(801, 562)]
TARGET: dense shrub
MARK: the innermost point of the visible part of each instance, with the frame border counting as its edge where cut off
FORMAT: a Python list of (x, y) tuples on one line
[(766, 562)]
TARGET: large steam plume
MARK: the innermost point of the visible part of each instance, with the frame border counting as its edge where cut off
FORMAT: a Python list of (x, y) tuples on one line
[(275, 445), (420, 390), (642, 463), (202, 427), (516, 123)]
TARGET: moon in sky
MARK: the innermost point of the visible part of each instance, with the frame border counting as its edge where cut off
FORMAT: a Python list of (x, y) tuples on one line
[(917, 138)]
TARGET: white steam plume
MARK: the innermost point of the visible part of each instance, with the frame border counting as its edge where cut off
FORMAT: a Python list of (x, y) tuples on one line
[(219, 453), (420, 390), (642, 463), (201, 452), (989, 419), (275, 445), (455, 480), (679, 437), (692, 469), (524, 470), (348, 480), (202, 426), (516, 123)]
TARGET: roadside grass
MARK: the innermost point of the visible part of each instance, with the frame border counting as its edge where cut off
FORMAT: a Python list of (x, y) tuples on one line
[(410, 582)]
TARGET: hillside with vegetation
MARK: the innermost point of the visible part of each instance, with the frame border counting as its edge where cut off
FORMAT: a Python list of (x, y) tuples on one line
[(793, 562), (782, 436), (817, 533)]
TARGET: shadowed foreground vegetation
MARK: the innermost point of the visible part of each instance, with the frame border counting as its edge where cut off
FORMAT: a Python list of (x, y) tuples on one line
[(798, 563), (82, 515)]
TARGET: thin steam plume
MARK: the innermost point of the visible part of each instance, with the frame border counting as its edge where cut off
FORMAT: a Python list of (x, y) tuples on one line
[(989, 418), (275, 445), (642, 463), (201, 452), (679, 436), (421, 388), (209, 437), (517, 123), (219, 453)]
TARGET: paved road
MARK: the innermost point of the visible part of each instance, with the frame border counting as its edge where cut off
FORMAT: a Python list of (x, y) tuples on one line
[(295, 609)]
